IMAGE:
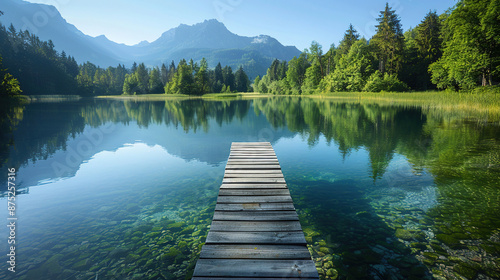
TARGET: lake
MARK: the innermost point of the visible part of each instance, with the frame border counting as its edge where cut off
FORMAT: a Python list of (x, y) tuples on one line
[(110, 189)]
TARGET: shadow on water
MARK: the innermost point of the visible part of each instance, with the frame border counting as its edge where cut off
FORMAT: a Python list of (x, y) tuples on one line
[(347, 237)]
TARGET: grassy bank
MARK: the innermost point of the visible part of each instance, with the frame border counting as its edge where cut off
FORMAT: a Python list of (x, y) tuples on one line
[(486, 103)]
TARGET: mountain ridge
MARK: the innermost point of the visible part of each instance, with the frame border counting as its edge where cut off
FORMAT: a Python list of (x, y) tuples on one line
[(210, 39)]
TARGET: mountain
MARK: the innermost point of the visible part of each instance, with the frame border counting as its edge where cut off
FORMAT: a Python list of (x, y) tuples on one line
[(209, 39), (46, 22)]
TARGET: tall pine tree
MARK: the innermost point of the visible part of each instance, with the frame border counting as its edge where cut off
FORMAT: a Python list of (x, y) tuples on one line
[(389, 41)]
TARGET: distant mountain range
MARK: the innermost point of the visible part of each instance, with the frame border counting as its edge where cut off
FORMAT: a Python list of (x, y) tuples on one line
[(209, 39)]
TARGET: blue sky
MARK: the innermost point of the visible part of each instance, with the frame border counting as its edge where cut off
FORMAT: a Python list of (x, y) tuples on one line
[(292, 22)]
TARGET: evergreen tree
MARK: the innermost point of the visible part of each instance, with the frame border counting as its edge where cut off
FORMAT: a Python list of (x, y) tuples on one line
[(228, 76), (142, 76), (295, 74), (155, 82), (315, 53), (422, 47), (389, 41), (351, 36), (273, 70), (427, 37), (312, 78), (201, 78), (164, 74), (218, 80), (183, 81), (241, 80)]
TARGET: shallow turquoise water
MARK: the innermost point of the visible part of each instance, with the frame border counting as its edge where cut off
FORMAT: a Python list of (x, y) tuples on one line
[(126, 190)]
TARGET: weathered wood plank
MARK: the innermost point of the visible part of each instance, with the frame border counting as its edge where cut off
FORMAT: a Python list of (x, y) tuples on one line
[(257, 226), (252, 154), (252, 251), (253, 186), (253, 175), (286, 237), (257, 192), (251, 157), (253, 148), (253, 180), (255, 268), (236, 171), (251, 143), (254, 206), (255, 216), (255, 199), (252, 161), (253, 166)]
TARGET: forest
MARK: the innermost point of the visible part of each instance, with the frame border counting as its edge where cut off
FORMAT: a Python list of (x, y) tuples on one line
[(458, 50)]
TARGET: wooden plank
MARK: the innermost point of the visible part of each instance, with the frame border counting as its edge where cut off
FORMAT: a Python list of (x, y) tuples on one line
[(255, 192), (255, 268), (251, 143), (253, 171), (253, 166), (253, 186), (270, 152), (286, 237), (254, 206), (257, 226), (253, 148), (252, 163), (255, 216), (251, 157), (252, 251), (255, 199), (253, 180), (247, 161), (253, 175)]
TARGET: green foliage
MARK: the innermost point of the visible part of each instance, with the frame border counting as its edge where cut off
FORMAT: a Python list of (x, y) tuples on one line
[(471, 54), (351, 36), (35, 67), (422, 47), (155, 80), (389, 41), (8, 84), (202, 84), (296, 72), (384, 82), (242, 81), (256, 82), (352, 70), (131, 84), (313, 78)]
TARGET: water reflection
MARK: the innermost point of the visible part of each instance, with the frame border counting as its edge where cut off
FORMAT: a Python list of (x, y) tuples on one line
[(383, 192)]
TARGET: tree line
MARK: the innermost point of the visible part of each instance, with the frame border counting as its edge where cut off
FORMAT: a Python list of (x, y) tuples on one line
[(458, 50)]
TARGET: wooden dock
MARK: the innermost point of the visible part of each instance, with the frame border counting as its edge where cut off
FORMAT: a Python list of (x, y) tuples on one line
[(255, 231)]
